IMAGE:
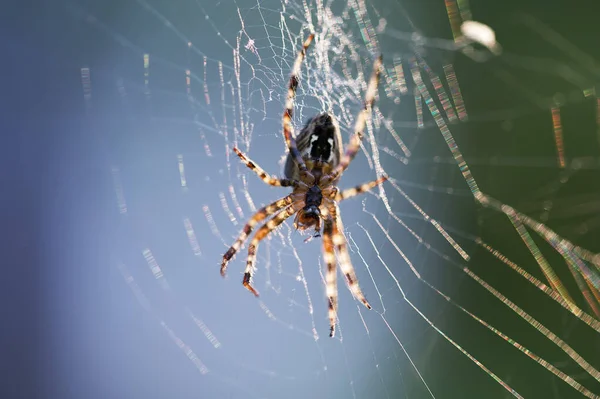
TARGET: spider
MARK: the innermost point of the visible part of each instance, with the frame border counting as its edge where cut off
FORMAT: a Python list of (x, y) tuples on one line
[(314, 165)]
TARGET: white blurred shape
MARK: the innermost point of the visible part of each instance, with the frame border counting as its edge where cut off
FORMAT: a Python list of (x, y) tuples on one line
[(482, 34)]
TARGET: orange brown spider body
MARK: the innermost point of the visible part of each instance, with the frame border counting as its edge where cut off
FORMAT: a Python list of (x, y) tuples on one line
[(313, 167)]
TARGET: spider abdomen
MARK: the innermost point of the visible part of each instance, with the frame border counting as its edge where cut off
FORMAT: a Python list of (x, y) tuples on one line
[(319, 140)]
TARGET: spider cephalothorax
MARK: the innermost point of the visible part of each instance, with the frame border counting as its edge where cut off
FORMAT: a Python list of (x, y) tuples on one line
[(313, 167), (310, 215)]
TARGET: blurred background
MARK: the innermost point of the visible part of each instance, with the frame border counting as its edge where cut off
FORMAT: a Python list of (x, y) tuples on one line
[(121, 194)]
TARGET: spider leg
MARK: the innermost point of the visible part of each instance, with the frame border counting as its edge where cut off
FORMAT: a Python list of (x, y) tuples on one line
[(344, 257), (260, 234), (331, 277), (354, 191), (361, 120), (288, 129), (264, 176), (259, 216)]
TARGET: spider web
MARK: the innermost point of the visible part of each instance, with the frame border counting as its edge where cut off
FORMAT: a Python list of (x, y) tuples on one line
[(478, 255)]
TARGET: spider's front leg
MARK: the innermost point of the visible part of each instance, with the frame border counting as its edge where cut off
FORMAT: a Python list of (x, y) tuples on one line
[(331, 276), (344, 257), (263, 232), (259, 216)]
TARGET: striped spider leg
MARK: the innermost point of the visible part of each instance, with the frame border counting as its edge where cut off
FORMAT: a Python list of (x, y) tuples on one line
[(360, 123), (258, 217), (288, 128), (331, 275), (361, 188), (263, 232), (334, 241), (264, 176)]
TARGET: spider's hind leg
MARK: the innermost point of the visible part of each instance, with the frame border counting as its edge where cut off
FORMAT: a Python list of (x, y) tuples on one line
[(288, 129), (264, 176), (361, 121)]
